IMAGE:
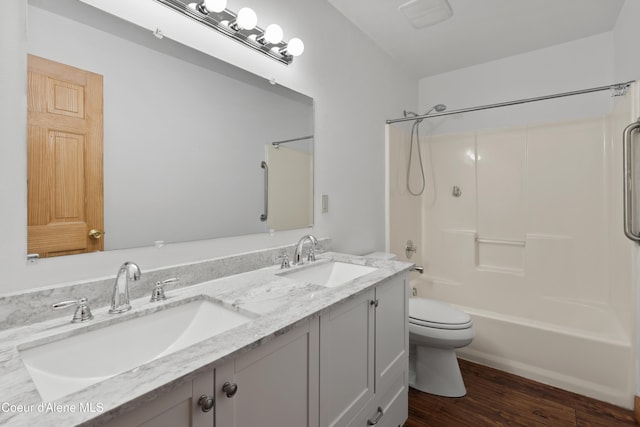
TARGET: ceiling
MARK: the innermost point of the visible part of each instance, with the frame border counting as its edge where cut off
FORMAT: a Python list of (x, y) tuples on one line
[(479, 31)]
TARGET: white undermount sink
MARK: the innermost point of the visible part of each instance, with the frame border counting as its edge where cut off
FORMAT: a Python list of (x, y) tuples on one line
[(70, 364), (330, 274)]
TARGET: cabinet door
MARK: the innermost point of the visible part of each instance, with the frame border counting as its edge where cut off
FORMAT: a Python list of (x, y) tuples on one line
[(389, 406), (346, 360), (392, 332), (277, 383), (175, 408)]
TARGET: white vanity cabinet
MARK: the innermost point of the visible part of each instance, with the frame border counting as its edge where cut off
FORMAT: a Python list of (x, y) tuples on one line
[(277, 383), (346, 367), (364, 346)]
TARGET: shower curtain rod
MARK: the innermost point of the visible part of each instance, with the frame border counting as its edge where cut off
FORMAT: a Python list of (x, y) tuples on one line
[(302, 138), (615, 87)]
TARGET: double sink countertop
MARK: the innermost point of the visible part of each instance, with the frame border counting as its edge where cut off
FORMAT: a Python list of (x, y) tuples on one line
[(274, 302)]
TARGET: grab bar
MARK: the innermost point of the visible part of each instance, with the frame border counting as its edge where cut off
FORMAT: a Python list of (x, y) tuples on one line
[(265, 215), (627, 172), (502, 242)]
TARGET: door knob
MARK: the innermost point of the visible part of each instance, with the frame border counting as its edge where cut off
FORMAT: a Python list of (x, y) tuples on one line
[(95, 234)]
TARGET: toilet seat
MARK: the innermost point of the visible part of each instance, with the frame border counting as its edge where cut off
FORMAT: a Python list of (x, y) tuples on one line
[(437, 314)]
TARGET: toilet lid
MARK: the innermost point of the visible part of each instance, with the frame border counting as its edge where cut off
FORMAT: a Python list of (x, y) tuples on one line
[(437, 314)]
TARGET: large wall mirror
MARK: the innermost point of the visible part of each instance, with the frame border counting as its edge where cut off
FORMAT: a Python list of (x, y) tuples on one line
[(184, 141)]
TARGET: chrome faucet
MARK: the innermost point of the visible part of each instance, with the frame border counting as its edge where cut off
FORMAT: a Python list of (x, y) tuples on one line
[(82, 313), (120, 298), (297, 256)]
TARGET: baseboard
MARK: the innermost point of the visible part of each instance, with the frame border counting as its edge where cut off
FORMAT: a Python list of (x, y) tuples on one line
[(553, 378), (636, 409)]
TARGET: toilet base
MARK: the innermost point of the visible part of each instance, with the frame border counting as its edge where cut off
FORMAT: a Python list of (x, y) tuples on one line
[(436, 372)]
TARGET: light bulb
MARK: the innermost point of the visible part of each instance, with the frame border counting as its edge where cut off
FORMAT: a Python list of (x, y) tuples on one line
[(273, 34), (246, 19), (215, 5), (295, 47)]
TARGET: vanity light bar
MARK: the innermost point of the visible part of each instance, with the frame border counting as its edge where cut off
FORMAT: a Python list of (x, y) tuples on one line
[(231, 25)]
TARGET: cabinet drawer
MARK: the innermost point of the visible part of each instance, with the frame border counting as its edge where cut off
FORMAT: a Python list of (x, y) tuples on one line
[(390, 409)]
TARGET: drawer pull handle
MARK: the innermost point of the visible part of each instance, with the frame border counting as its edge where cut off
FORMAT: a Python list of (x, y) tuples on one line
[(377, 419), (230, 389), (374, 302), (205, 403)]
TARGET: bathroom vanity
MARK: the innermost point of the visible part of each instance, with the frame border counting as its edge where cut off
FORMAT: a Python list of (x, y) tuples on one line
[(320, 344), (364, 358)]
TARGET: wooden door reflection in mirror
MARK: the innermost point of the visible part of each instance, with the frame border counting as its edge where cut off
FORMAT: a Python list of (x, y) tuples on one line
[(65, 172)]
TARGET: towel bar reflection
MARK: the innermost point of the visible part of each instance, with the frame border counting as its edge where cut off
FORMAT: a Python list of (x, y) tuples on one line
[(265, 215)]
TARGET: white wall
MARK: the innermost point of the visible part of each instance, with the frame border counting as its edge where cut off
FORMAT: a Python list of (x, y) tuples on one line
[(576, 65), (355, 87), (625, 42)]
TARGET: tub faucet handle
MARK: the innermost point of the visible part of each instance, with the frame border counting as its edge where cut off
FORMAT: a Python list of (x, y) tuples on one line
[(410, 249)]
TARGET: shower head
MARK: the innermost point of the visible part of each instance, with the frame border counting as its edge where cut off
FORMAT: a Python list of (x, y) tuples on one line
[(438, 107)]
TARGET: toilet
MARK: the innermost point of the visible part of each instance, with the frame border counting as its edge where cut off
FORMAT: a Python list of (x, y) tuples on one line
[(436, 329)]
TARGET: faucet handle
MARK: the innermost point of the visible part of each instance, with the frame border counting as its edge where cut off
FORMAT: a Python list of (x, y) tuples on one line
[(157, 294), (311, 256), (82, 313), (284, 256)]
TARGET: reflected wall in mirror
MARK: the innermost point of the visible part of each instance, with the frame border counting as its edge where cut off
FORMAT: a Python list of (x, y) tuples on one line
[(184, 133)]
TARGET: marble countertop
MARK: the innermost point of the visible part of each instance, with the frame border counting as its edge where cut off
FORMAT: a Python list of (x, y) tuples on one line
[(278, 302)]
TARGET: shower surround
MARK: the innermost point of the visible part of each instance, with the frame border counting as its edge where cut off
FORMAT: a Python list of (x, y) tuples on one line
[(531, 245)]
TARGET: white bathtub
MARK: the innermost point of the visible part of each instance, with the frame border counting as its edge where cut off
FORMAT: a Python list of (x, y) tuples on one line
[(580, 348)]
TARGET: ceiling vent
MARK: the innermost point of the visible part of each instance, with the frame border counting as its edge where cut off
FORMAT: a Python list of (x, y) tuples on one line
[(425, 13)]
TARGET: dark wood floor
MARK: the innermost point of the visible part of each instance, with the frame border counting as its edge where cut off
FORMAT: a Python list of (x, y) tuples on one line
[(495, 398)]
